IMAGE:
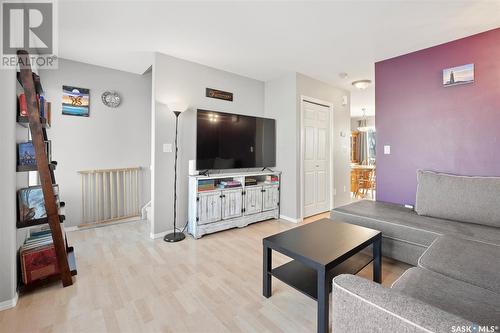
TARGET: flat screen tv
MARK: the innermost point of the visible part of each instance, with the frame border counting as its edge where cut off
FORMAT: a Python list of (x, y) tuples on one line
[(229, 141)]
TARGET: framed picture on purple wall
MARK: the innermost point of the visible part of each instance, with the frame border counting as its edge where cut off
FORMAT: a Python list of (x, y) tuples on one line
[(458, 75)]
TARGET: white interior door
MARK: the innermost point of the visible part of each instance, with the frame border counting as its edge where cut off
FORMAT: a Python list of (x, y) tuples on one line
[(316, 154)]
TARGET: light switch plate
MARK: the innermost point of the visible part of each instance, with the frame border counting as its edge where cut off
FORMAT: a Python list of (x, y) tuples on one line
[(387, 150), (167, 147)]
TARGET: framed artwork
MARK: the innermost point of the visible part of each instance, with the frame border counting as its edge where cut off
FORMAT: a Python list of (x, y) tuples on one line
[(458, 75), (31, 203), (26, 153), (75, 101)]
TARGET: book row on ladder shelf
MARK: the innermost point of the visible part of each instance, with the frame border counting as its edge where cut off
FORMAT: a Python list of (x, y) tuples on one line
[(44, 256)]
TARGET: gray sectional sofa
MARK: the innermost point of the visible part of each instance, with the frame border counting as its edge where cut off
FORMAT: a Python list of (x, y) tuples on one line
[(453, 237), (455, 288), (468, 207)]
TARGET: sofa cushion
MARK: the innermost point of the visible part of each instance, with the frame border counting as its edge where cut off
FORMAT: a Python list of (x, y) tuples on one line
[(473, 262), (457, 297), (361, 305), (459, 198), (398, 222)]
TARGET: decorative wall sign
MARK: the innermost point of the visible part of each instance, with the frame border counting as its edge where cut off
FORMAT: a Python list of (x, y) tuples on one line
[(458, 75), (219, 94), (111, 99), (75, 101)]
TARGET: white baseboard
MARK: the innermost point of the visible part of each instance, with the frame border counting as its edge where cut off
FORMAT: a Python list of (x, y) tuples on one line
[(290, 219), (160, 234), (9, 303), (100, 225)]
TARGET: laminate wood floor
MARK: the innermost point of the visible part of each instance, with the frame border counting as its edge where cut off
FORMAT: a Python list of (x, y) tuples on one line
[(129, 283)]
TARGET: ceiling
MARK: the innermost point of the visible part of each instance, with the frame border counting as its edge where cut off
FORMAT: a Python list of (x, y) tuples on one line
[(264, 40)]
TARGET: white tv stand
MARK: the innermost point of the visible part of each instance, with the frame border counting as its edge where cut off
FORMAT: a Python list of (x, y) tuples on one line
[(224, 208)]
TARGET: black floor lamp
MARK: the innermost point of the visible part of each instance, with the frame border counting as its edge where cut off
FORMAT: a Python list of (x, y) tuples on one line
[(175, 236)]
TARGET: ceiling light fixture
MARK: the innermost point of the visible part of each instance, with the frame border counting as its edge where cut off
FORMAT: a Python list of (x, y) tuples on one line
[(361, 84), (363, 123)]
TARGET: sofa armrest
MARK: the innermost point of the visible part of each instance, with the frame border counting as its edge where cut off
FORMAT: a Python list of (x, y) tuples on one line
[(360, 305), (466, 260)]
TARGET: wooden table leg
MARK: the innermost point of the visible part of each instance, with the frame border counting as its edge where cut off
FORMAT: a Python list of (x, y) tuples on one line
[(323, 302), (377, 260), (267, 267)]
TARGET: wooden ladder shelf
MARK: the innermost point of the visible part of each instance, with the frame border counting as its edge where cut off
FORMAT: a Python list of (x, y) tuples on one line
[(39, 135)]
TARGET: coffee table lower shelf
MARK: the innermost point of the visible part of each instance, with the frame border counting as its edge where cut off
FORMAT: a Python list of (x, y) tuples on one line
[(304, 279)]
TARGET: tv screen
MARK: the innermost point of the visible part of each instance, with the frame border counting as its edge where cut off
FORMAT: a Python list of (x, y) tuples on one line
[(228, 141)]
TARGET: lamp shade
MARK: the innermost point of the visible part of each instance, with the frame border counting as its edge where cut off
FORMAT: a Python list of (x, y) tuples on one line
[(177, 106)]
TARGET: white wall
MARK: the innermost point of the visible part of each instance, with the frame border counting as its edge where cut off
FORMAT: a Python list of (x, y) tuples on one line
[(108, 138), (280, 104), (310, 87), (283, 102), (8, 260), (181, 82)]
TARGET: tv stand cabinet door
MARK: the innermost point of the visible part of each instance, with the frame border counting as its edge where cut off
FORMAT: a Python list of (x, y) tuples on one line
[(209, 207), (253, 200), (270, 197), (232, 203)]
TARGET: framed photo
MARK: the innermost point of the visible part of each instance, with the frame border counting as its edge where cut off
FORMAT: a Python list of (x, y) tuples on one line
[(458, 75), (32, 204), (75, 101), (26, 153)]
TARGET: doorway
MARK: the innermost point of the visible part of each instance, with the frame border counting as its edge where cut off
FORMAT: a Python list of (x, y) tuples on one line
[(363, 157), (316, 162)]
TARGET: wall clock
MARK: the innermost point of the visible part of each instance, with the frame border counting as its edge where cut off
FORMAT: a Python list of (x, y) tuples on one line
[(111, 99)]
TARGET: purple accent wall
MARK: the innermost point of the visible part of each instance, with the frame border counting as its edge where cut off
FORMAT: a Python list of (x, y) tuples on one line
[(454, 129)]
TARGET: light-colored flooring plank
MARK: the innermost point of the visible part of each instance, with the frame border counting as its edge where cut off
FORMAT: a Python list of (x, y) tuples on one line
[(129, 283)]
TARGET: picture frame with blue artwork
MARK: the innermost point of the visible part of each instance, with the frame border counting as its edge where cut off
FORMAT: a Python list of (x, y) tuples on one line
[(458, 75), (32, 204), (26, 153), (75, 101)]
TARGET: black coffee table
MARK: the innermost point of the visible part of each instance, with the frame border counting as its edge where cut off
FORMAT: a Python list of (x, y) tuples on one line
[(321, 250)]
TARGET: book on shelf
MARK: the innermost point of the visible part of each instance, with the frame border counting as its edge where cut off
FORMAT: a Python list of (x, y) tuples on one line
[(206, 189), (41, 106), (32, 204), (271, 179), (250, 181), (44, 107), (229, 184), (26, 153), (38, 261), (48, 112), (206, 185), (22, 106)]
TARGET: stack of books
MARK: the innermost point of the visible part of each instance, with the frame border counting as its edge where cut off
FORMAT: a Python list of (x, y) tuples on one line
[(44, 107), (38, 257), (250, 181), (206, 185), (229, 184), (272, 179)]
